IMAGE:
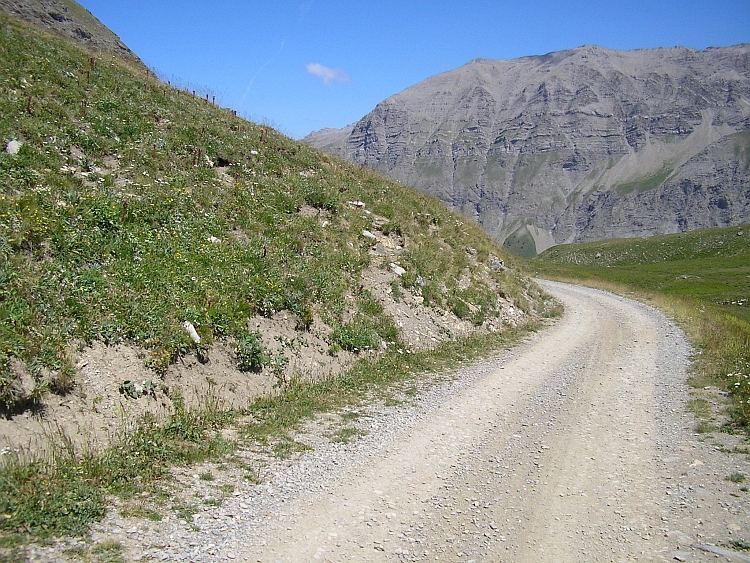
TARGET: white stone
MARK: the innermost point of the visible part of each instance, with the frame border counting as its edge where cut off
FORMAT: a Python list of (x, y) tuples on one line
[(192, 332), (13, 147), (396, 269)]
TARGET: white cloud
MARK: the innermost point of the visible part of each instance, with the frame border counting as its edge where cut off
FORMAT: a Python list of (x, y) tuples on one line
[(328, 74)]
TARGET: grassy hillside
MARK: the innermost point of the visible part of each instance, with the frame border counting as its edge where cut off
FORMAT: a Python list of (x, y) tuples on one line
[(130, 208), (701, 277)]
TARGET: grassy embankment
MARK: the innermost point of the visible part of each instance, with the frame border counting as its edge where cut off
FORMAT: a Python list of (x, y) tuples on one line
[(132, 207), (701, 278)]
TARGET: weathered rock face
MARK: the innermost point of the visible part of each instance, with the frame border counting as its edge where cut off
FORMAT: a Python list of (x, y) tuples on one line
[(69, 18), (577, 145)]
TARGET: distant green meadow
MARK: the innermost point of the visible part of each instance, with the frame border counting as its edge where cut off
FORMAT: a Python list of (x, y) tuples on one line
[(702, 278), (712, 265)]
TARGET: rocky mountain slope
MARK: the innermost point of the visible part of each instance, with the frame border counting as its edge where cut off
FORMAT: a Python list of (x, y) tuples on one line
[(70, 19), (571, 146)]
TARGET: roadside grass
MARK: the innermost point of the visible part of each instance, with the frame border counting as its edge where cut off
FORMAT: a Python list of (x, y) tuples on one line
[(63, 494), (736, 477), (276, 415), (346, 434), (701, 279)]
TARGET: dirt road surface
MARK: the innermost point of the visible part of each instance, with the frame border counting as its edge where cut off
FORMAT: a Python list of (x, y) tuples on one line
[(574, 447)]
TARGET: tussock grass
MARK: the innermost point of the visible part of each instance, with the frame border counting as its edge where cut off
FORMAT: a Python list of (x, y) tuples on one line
[(701, 279), (300, 400), (61, 494)]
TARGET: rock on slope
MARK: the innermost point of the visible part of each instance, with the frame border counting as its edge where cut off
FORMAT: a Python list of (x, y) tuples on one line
[(571, 146), (69, 18)]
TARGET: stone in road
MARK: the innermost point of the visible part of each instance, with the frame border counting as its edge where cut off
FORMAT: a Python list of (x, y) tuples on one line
[(560, 452)]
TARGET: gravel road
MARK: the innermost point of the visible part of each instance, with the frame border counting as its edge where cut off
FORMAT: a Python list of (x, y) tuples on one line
[(575, 446)]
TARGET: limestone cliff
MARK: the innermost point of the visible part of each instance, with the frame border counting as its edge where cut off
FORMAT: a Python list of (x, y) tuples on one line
[(577, 145)]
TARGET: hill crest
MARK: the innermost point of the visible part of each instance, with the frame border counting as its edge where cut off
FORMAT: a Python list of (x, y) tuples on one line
[(157, 247), (69, 19)]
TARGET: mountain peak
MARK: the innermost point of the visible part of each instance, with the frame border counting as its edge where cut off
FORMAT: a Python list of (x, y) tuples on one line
[(574, 145)]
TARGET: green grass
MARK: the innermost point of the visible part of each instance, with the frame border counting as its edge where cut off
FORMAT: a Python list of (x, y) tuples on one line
[(276, 415), (701, 408), (701, 278), (711, 265), (346, 434), (521, 243), (63, 494), (645, 184), (737, 477)]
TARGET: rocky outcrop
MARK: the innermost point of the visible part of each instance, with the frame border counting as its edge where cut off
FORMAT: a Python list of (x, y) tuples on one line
[(70, 19), (577, 145)]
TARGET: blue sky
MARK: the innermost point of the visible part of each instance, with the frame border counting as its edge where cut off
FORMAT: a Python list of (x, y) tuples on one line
[(308, 64)]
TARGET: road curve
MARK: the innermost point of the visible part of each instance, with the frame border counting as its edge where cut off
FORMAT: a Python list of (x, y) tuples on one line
[(555, 454)]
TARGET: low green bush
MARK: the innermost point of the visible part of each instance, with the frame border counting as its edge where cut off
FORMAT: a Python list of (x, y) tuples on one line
[(250, 353)]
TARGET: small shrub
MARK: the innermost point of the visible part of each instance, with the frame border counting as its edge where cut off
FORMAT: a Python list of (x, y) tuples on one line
[(160, 360), (392, 227), (287, 447), (250, 353), (279, 363), (459, 307), (305, 319), (396, 290), (432, 294), (346, 435), (355, 336), (739, 389), (704, 427), (740, 545), (316, 197), (64, 381), (110, 551), (700, 408), (11, 393), (736, 477), (409, 279), (369, 305)]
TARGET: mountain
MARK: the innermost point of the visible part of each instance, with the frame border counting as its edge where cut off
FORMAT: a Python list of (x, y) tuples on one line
[(68, 18), (572, 146)]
